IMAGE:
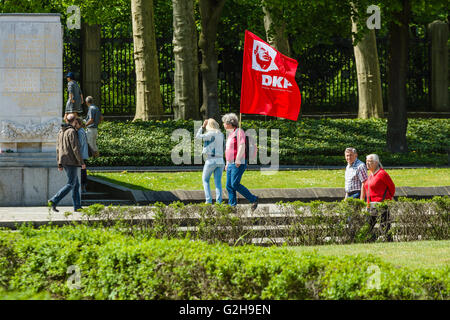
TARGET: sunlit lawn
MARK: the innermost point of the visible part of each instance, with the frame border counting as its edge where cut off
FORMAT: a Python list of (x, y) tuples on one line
[(414, 255), (166, 181)]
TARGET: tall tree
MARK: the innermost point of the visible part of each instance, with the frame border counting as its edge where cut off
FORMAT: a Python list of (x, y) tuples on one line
[(275, 32), (370, 100), (91, 67), (148, 95), (186, 101), (397, 72), (398, 16), (210, 11)]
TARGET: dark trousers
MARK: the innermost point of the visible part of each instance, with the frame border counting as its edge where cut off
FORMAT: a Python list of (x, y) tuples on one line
[(385, 223), (83, 177)]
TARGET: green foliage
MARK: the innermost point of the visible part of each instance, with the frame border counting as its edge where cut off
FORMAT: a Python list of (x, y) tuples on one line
[(117, 266), (23, 295), (311, 22), (256, 179), (347, 221), (295, 223), (110, 12), (304, 142)]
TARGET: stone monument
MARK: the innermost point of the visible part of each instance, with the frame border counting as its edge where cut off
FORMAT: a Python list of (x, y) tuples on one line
[(31, 98)]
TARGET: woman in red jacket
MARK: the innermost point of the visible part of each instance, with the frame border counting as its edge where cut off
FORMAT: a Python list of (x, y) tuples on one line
[(377, 188)]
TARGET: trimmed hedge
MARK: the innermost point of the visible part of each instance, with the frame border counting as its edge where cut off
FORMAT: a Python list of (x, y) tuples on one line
[(295, 223), (304, 142), (117, 266)]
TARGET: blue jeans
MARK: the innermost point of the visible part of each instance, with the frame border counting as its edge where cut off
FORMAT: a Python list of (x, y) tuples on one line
[(234, 175), (355, 195), (72, 185), (210, 167)]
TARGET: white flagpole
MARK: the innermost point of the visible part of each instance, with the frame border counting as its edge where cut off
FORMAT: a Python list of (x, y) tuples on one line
[(239, 133)]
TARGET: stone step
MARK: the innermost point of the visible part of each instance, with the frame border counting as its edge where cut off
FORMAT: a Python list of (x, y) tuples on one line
[(28, 155), (40, 163), (28, 159), (106, 202), (18, 160), (90, 195)]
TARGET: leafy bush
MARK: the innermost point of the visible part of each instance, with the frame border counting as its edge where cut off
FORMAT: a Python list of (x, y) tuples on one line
[(294, 223), (116, 266), (347, 221), (304, 142), (18, 295)]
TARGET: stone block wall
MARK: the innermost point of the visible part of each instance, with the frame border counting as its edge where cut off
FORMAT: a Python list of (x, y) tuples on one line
[(31, 76)]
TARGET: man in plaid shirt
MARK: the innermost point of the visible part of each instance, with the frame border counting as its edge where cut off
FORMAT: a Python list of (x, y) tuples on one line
[(355, 174)]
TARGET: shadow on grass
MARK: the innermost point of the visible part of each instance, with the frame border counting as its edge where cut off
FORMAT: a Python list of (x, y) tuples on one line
[(124, 184)]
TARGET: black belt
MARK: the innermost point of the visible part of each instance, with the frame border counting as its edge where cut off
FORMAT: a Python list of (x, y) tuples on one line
[(354, 192)]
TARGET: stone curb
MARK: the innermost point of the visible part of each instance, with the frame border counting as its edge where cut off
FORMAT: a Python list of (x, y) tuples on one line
[(269, 195)]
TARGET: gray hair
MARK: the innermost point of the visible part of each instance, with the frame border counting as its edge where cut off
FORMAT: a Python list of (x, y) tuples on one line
[(231, 118), (89, 99), (349, 149), (374, 157)]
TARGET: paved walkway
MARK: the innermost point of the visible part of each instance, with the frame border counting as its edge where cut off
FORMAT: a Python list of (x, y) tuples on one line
[(9, 216), (12, 216)]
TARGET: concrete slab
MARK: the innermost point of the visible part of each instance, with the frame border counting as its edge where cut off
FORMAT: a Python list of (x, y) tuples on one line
[(329, 193), (40, 215), (10, 217), (30, 186), (11, 194), (35, 191)]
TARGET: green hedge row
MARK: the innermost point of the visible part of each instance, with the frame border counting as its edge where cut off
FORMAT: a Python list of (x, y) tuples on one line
[(116, 266), (296, 223), (304, 142)]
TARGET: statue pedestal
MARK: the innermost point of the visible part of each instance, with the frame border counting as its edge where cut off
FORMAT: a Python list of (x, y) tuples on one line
[(31, 186), (31, 78)]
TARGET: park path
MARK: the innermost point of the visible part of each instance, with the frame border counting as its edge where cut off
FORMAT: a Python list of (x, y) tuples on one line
[(10, 216)]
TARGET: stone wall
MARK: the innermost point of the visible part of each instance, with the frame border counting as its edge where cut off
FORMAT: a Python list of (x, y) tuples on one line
[(31, 75), (31, 78)]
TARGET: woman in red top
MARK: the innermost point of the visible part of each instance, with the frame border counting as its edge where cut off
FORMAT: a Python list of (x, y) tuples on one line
[(377, 188)]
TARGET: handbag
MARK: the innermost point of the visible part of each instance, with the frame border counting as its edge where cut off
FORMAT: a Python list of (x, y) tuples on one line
[(90, 151)]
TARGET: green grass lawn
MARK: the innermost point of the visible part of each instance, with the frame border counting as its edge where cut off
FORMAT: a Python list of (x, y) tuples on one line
[(166, 181), (413, 255)]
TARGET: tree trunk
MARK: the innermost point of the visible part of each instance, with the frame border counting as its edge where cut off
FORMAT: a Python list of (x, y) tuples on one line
[(210, 11), (148, 95), (275, 34), (91, 66), (370, 100), (439, 65), (397, 72), (186, 102)]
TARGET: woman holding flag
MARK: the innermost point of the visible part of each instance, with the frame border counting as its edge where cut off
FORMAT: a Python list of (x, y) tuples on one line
[(235, 157), (268, 88)]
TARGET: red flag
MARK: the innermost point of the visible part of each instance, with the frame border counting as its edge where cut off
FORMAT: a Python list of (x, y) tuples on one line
[(268, 81)]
